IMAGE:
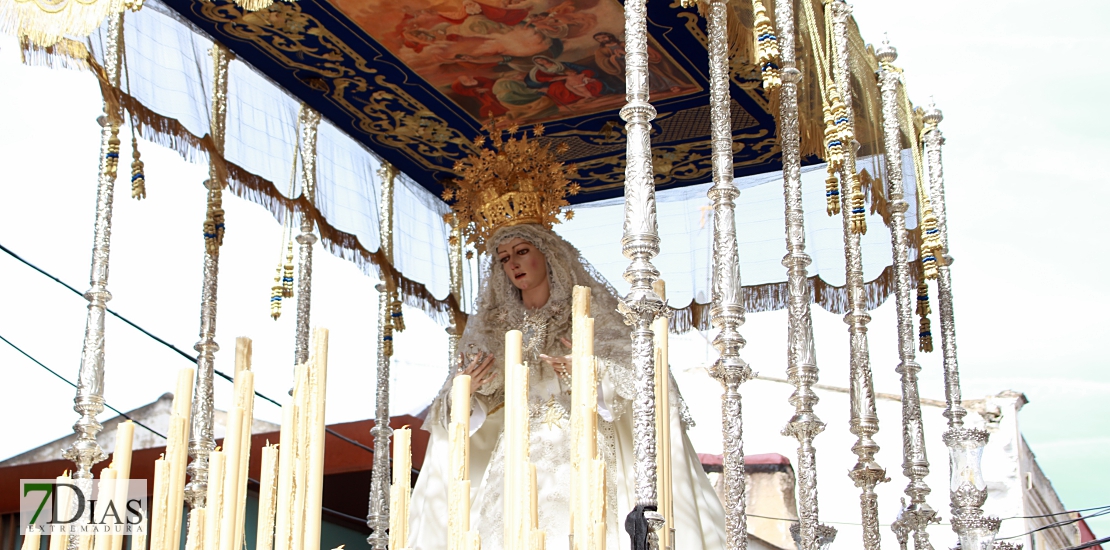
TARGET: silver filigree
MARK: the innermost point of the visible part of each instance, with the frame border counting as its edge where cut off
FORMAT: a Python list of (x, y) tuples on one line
[(727, 310), (864, 421), (916, 516), (640, 244), (378, 517), (89, 399), (308, 122), (201, 439), (801, 354)]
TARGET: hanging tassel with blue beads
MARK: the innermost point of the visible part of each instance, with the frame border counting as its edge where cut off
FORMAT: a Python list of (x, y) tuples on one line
[(276, 296), (395, 313), (287, 276), (138, 178), (767, 47), (111, 157), (925, 334)]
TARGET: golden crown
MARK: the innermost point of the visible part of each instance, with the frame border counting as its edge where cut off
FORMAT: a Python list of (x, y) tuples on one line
[(510, 181)]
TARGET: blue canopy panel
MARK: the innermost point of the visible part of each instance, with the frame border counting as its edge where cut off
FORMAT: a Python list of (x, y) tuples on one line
[(415, 80)]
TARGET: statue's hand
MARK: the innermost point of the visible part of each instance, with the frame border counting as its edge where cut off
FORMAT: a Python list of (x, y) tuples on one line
[(478, 369), (560, 364)]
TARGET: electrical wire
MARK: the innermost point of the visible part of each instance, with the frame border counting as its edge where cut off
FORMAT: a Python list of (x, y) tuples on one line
[(66, 380), (1059, 524), (191, 358)]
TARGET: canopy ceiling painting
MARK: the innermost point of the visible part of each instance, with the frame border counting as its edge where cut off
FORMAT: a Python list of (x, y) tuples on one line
[(415, 81)]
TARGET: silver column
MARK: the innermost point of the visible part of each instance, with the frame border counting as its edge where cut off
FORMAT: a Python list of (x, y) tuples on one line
[(89, 400), (864, 421), (727, 310), (201, 439), (801, 355), (455, 257), (968, 490), (915, 516), (309, 122), (378, 517), (640, 244)]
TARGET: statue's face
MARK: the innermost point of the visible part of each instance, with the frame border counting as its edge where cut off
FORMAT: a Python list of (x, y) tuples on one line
[(523, 263)]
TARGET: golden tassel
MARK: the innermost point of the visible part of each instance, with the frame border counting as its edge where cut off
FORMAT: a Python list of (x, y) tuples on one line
[(832, 193), (387, 337), (767, 47), (275, 296), (254, 5), (930, 241), (396, 314), (111, 158), (138, 179), (924, 335), (287, 278), (858, 219)]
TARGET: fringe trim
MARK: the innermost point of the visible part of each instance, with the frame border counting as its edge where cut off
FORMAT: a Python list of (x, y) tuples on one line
[(65, 54), (170, 133), (774, 296)]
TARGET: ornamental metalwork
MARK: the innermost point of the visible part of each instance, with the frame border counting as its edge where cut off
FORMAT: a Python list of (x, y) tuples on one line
[(201, 438), (864, 421), (915, 516), (378, 517), (308, 122)]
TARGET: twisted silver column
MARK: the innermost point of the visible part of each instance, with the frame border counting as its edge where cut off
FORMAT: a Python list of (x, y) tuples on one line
[(201, 439), (309, 122), (916, 516), (727, 310), (378, 517), (801, 355), (864, 421), (89, 400), (640, 244)]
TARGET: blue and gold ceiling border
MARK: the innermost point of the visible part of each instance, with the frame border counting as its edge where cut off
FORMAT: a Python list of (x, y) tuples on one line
[(415, 84)]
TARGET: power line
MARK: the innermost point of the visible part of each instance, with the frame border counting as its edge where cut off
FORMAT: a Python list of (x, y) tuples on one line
[(192, 359), (1060, 523), (1089, 544), (64, 379)]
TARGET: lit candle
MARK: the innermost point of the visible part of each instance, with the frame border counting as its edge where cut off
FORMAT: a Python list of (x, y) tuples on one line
[(266, 489), (214, 501)]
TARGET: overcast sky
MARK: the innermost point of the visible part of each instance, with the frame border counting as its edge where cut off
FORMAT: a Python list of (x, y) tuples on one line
[(1020, 84)]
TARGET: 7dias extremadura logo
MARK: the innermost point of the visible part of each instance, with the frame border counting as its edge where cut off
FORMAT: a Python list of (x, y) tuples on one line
[(51, 506)]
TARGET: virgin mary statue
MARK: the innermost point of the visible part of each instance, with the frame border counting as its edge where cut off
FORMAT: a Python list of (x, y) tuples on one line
[(528, 276)]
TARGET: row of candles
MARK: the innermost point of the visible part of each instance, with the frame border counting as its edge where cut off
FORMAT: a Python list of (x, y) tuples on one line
[(290, 489)]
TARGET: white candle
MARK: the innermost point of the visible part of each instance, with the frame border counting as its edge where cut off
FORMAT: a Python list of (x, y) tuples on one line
[(65, 500), (460, 399), (245, 401), (214, 501), (158, 504), (285, 479), (194, 539), (230, 496), (31, 541), (266, 489), (315, 488), (399, 496), (175, 495), (107, 485), (121, 462)]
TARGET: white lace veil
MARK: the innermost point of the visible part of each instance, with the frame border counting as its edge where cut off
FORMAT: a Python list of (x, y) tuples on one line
[(499, 309)]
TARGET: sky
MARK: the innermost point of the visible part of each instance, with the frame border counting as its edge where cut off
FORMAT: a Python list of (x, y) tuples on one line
[(1019, 83)]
